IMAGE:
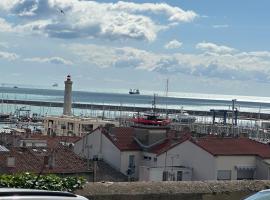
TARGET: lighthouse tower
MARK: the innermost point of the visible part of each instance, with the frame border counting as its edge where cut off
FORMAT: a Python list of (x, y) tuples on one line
[(68, 96)]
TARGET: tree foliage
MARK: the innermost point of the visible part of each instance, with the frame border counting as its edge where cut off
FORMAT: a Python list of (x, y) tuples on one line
[(44, 182)]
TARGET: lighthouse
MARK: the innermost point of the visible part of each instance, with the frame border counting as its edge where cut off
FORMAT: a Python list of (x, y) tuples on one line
[(68, 96)]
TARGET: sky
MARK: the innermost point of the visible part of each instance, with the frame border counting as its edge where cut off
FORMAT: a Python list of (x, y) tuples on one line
[(206, 46)]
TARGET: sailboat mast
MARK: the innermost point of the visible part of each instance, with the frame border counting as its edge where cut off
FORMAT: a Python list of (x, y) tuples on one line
[(154, 104), (167, 90)]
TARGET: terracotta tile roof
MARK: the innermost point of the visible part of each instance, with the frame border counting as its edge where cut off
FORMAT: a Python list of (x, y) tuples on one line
[(233, 146), (53, 141), (32, 159), (168, 144), (122, 138)]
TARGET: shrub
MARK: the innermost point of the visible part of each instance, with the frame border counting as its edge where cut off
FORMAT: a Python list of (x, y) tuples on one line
[(44, 182)]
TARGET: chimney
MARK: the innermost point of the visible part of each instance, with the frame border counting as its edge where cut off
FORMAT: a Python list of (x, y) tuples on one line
[(68, 96), (10, 161), (49, 161)]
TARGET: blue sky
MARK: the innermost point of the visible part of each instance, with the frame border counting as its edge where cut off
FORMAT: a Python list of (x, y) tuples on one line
[(203, 46)]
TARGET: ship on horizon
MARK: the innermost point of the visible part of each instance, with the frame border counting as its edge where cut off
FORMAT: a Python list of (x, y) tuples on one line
[(134, 91)]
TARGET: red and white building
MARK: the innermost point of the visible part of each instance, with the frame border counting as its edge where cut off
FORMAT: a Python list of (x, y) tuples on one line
[(156, 155)]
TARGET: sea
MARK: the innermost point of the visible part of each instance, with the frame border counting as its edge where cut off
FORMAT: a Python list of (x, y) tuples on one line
[(175, 100)]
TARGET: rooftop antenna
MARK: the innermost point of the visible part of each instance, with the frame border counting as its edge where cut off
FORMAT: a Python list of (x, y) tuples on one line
[(45, 162)]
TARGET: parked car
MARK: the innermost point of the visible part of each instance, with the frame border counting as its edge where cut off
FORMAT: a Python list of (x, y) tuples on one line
[(261, 195), (28, 194)]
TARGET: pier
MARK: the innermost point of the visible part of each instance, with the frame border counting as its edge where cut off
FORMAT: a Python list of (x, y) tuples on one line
[(123, 108), (205, 123)]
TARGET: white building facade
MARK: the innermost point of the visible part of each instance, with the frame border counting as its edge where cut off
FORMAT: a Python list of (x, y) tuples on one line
[(72, 125), (178, 159)]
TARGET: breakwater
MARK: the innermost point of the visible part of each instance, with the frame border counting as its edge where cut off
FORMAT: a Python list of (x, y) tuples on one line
[(107, 107), (190, 190)]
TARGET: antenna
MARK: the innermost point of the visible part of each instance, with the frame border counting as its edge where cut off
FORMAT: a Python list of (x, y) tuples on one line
[(45, 162)]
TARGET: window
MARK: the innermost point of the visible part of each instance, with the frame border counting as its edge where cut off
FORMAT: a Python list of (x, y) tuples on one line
[(165, 176), (179, 175), (87, 127), (224, 175), (147, 157), (131, 161)]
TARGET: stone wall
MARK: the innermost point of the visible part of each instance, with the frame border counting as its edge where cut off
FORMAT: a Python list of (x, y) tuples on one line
[(190, 190)]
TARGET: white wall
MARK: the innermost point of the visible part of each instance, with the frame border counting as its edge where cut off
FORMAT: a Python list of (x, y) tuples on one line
[(229, 163), (262, 169), (89, 145), (156, 173), (190, 155), (143, 173), (146, 162), (98, 144), (111, 154)]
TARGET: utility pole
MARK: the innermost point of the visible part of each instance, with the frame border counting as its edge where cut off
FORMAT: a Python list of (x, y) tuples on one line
[(95, 159), (233, 111)]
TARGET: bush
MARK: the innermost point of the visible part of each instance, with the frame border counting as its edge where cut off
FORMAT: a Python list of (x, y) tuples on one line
[(45, 182)]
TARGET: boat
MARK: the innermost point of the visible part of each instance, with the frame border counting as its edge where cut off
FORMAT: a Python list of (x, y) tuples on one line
[(182, 117), (55, 85), (150, 119), (134, 91), (4, 117)]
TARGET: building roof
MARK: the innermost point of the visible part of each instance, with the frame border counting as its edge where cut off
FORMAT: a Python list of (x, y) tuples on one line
[(53, 141), (32, 159), (167, 145), (233, 146), (78, 119), (122, 138)]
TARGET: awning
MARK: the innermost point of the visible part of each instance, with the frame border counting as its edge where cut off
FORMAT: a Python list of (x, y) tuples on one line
[(237, 167)]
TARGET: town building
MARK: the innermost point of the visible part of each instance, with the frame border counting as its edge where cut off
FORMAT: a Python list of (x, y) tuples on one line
[(164, 155), (73, 125), (127, 150), (60, 160), (29, 152)]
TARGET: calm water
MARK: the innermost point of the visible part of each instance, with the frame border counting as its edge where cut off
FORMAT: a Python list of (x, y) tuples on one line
[(189, 101)]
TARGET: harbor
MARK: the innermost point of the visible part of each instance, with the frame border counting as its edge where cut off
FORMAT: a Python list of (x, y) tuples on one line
[(134, 109), (218, 117), (249, 124)]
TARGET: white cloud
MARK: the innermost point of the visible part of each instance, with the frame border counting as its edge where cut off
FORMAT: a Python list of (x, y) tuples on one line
[(221, 26), (174, 13), (8, 56), (236, 65), (52, 60), (121, 20), (257, 54), (211, 47), (4, 45), (174, 44), (5, 26), (7, 4)]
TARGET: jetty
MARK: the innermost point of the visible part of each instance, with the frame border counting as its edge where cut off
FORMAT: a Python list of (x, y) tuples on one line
[(124, 108)]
